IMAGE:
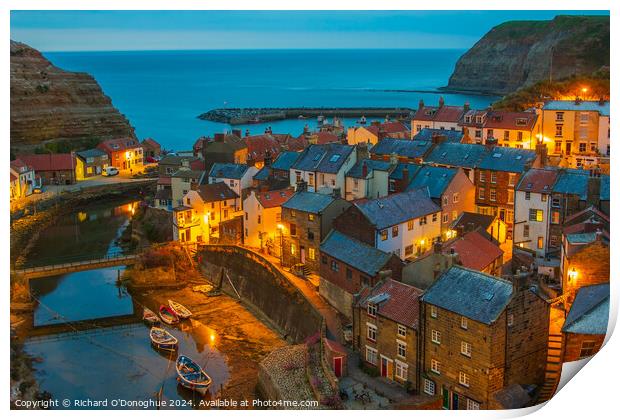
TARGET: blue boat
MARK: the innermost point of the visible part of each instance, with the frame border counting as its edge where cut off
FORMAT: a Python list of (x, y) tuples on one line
[(191, 376), (163, 340)]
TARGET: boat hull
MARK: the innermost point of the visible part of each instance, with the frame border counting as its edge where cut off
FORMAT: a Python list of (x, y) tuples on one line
[(191, 376), (167, 315)]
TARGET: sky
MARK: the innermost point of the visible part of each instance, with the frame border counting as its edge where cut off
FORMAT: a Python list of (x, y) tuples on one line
[(204, 30)]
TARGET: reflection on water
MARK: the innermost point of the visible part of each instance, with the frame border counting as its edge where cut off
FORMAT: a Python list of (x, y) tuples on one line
[(80, 296), (88, 233), (120, 363)]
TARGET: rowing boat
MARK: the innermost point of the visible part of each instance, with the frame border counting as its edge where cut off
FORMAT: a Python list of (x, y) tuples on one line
[(168, 315), (191, 376), (163, 340), (180, 310), (150, 316)]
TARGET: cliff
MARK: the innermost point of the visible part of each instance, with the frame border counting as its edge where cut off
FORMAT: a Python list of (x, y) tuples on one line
[(518, 54), (49, 104)]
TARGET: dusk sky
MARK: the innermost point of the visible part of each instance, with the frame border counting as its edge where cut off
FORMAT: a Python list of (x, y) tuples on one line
[(173, 30)]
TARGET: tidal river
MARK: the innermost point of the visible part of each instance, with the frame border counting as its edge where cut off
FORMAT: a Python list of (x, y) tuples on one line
[(105, 364)]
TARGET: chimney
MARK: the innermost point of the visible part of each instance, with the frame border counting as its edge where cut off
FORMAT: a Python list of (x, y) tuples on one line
[(393, 158), (364, 170), (421, 104), (601, 101), (336, 193), (404, 182), (361, 151), (268, 158), (594, 188), (441, 102), (466, 107), (237, 132), (490, 142), (577, 100), (541, 152), (247, 132), (219, 137), (438, 138)]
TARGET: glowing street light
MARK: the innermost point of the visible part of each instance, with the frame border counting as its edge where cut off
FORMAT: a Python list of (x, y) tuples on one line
[(572, 274)]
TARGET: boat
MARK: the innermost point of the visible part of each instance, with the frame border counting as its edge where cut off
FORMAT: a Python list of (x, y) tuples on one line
[(191, 376), (149, 316), (163, 340), (167, 315), (180, 310)]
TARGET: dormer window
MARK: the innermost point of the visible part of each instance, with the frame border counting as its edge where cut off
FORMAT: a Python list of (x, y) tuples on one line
[(372, 310), (521, 121)]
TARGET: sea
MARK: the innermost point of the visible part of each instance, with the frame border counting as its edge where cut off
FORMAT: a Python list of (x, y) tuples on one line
[(163, 92)]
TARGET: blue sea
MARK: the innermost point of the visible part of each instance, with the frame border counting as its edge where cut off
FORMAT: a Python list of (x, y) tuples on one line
[(163, 92)]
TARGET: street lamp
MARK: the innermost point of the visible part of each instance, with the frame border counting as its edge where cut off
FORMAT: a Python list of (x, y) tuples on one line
[(572, 275)]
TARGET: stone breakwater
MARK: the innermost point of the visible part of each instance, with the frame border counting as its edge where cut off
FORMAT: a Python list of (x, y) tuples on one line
[(235, 116)]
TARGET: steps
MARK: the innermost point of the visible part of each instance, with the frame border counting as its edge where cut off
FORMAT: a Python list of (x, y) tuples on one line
[(553, 369)]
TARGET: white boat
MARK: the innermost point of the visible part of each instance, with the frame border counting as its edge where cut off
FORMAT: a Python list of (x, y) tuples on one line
[(150, 316), (191, 376), (163, 340), (180, 310)]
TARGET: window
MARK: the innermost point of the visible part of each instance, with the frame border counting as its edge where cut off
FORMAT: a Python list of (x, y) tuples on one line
[(311, 254), (455, 197), (335, 266), (401, 330), (492, 194), (293, 214), (536, 215), (540, 242), (478, 134), (435, 366), (543, 197), (582, 147), (520, 136), (466, 348), (559, 116), (433, 311), (558, 130), (371, 355), (371, 332), (401, 349), (422, 220), (464, 379), (512, 179), (259, 219), (557, 147), (555, 202), (526, 231), (506, 135), (494, 177), (435, 217), (555, 217), (454, 214), (511, 196), (323, 259), (408, 250), (436, 337), (587, 348), (311, 217), (511, 320), (349, 273), (463, 323), (483, 176), (293, 229), (384, 235), (372, 310), (401, 370), (472, 405), (293, 249), (444, 218), (429, 387), (445, 201), (394, 231), (481, 193), (410, 225), (528, 195)]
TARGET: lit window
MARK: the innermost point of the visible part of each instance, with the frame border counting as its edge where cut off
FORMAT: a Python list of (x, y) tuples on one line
[(536, 215), (483, 176), (435, 366), (429, 387), (436, 337), (394, 231), (481, 193), (493, 194), (310, 217), (433, 311), (466, 348), (493, 177), (464, 379), (511, 179), (540, 242), (384, 235), (311, 254), (455, 197), (293, 249), (410, 225)]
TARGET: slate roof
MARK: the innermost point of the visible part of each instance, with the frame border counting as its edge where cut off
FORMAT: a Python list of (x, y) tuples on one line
[(475, 250), (285, 160), (397, 172), (469, 293), (572, 181), (228, 170), (401, 147), (91, 153), (581, 238), (309, 202), (396, 301), (176, 160), (538, 181), (327, 158), (426, 134), (188, 173), (435, 178), (589, 313), (581, 106), (476, 219), (457, 154), (507, 159), (359, 255), (397, 208), (215, 192), (262, 174), (356, 170)]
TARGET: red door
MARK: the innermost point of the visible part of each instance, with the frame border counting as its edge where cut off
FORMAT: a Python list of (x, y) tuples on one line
[(338, 366)]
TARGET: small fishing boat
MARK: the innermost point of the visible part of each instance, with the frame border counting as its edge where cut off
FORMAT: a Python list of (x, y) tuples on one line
[(163, 340), (150, 316), (191, 376), (180, 310), (168, 315)]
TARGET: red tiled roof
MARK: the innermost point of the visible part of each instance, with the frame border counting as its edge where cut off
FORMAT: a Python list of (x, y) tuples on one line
[(115, 145), (391, 127), (508, 120), (164, 180), (197, 165), (475, 251), (402, 304), (297, 144), (49, 161), (326, 137), (151, 143), (335, 346), (18, 165), (198, 143), (276, 198), (535, 180), (258, 146), (446, 113), (584, 227)]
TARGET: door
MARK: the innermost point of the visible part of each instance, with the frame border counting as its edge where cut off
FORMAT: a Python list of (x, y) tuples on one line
[(446, 398), (386, 367), (338, 366), (455, 401), (302, 253)]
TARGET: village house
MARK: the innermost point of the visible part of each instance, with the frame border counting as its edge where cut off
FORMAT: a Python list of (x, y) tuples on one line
[(520, 130), (52, 168), (576, 128), (458, 155), (262, 149), (124, 153), (377, 131), (163, 194), (411, 151), (585, 326), (367, 179), (405, 224), (183, 180), (90, 163), (281, 166), (202, 211), (23, 179), (481, 334), (442, 117), (496, 178), (236, 175), (151, 149), (307, 218), (263, 217), (169, 164), (323, 167), (468, 222), (533, 213), (385, 331), (348, 266), (449, 188), (224, 148)]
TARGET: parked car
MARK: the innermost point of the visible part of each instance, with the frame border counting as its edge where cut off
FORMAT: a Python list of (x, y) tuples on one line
[(110, 171)]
